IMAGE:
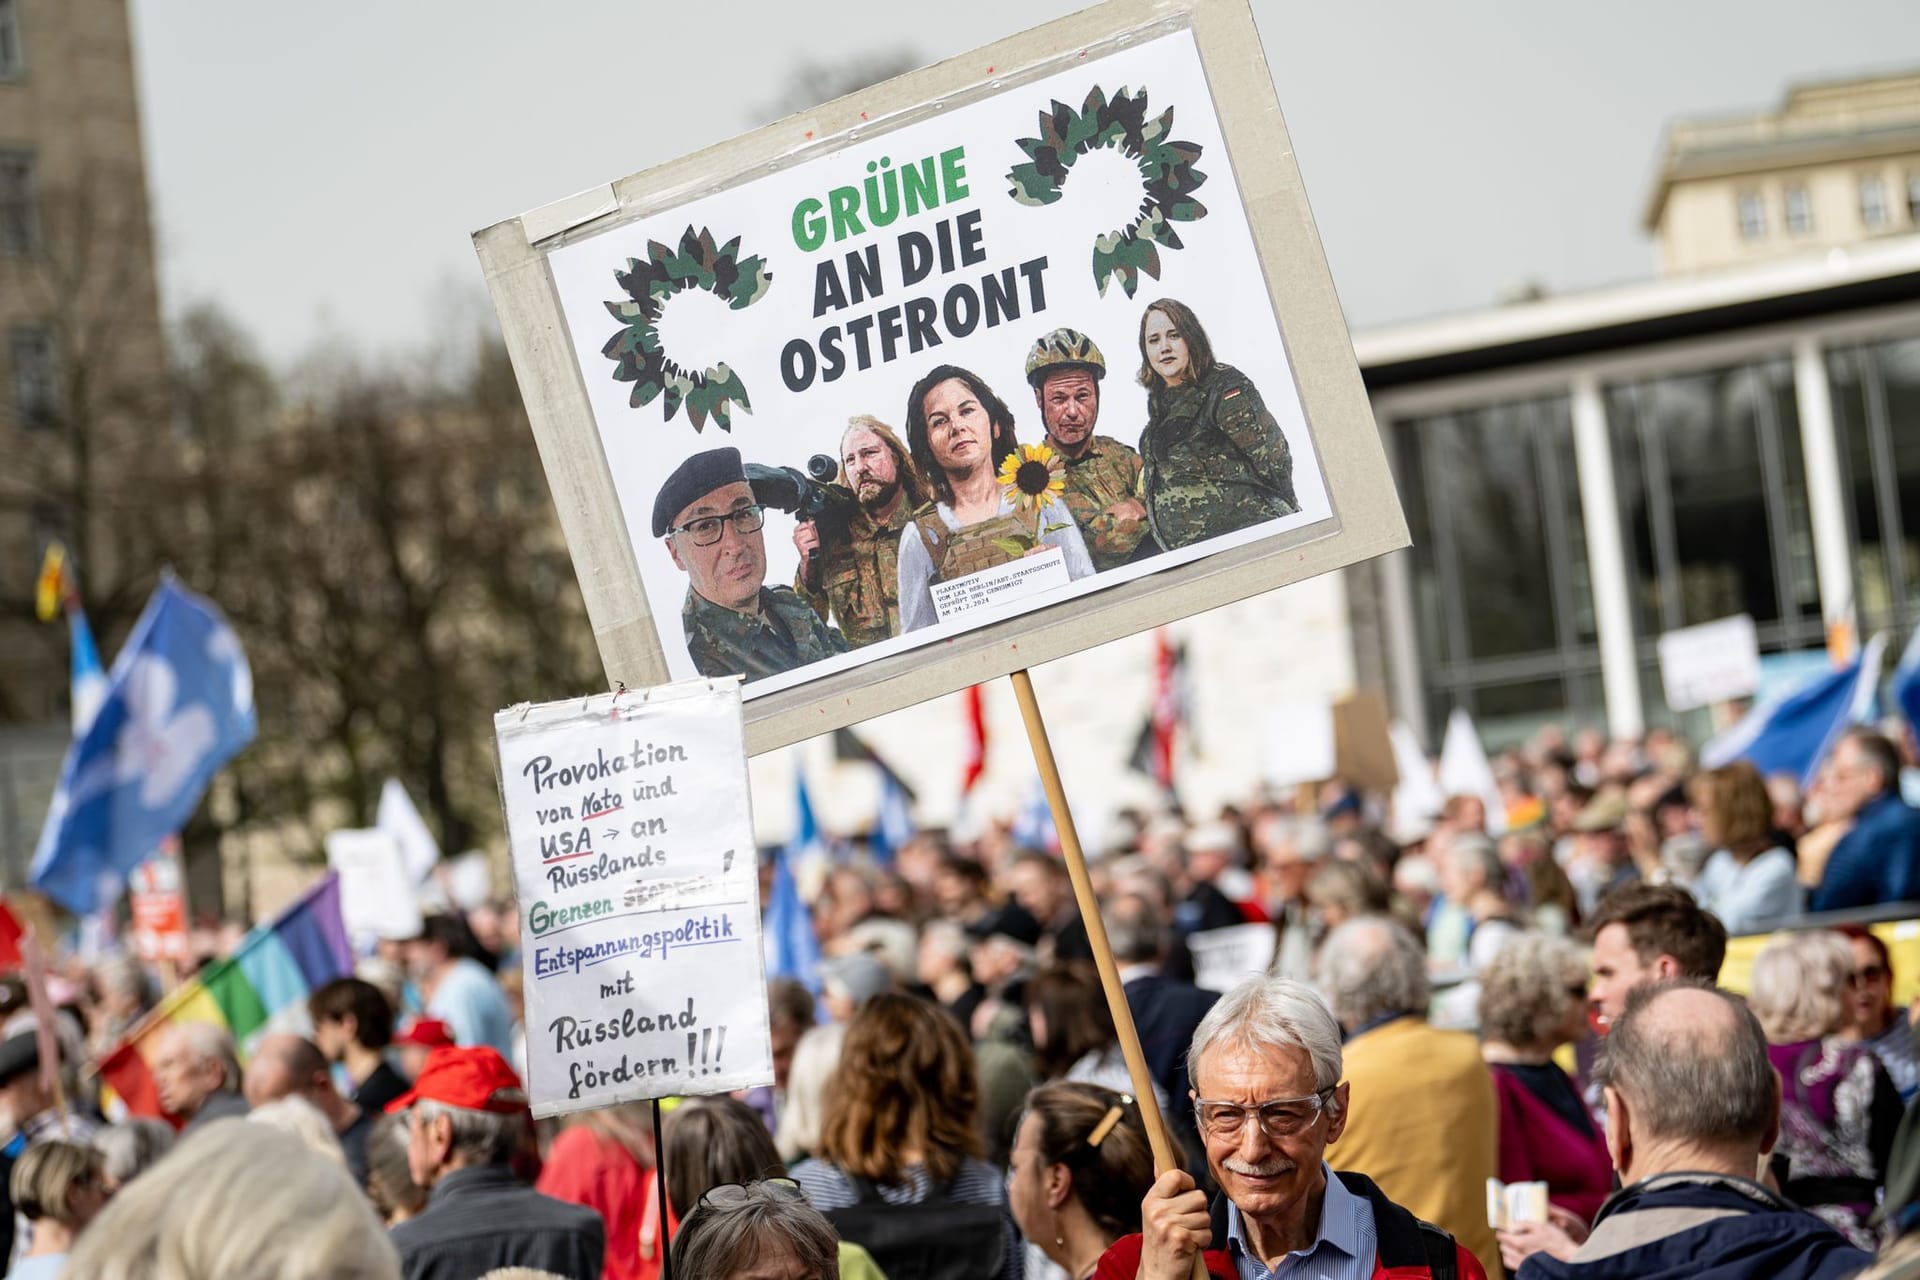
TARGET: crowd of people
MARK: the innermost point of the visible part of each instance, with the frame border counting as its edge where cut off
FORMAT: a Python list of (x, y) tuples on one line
[(1512, 991)]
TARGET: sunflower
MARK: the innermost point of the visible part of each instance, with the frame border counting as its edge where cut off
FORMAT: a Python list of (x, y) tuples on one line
[(1032, 476)]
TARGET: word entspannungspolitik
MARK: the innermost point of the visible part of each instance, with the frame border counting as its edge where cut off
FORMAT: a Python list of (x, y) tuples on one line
[(948, 245)]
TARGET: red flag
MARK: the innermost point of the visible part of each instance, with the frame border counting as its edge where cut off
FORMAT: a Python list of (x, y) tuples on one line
[(1166, 706), (10, 958), (976, 739)]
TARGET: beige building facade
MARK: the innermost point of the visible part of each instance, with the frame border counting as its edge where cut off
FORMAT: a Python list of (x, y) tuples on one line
[(1837, 165), (83, 360)]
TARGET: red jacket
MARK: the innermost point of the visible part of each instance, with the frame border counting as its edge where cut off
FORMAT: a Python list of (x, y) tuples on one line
[(1406, 1247)]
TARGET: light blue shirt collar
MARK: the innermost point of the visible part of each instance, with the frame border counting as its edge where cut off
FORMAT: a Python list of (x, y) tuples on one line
[(1339, 1223)]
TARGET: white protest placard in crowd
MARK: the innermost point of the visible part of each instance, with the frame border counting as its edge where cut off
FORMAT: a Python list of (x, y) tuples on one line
[(631, 836), (1088, 240), (1713, 662), (377, 900), (1223, 958)]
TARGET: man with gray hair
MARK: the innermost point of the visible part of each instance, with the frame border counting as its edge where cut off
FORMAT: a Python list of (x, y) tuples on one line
[(197, 1075), (466, 1120), (1692, 1107), (1268, 1102), (1425, 1125)]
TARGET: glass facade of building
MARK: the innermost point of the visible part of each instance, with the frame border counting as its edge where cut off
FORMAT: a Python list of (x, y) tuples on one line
[(1876, 418), (1710, 484), (1504, 607), (1711, 481)]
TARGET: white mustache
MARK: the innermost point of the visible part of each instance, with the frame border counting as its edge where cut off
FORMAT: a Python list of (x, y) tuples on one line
[(1265, 1169)]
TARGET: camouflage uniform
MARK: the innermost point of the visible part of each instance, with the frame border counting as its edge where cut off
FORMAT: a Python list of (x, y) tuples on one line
[(1214, 460), (786, 634), (859, 578), (1108, 472)]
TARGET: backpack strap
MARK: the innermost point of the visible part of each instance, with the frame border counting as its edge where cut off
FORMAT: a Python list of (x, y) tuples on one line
[(1442, 1260)]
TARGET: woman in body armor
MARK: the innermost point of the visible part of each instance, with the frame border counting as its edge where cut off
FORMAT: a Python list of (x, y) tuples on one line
[(959, 433), (1214, 460)]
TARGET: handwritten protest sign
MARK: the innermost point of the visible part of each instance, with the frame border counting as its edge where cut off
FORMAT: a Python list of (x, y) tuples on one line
[(632, 842), (967, 371)]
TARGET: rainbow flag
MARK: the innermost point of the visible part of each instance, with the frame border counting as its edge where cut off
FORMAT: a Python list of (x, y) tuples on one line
[(262, 987)]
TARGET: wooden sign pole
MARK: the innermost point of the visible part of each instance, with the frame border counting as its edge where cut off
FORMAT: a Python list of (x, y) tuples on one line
[(1164, 1156)]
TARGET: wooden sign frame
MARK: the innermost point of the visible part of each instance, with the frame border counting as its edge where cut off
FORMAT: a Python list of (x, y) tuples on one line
[(1366, 517)]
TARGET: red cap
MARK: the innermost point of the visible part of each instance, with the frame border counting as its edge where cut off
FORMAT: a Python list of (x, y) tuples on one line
[(428, 1033), (475, 1079)]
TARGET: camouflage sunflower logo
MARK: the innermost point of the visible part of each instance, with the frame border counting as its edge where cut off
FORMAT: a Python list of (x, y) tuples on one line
[(1167, 177), (696, 263)]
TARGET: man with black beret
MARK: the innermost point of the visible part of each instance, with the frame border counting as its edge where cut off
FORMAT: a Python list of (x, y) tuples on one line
[(734, 622)]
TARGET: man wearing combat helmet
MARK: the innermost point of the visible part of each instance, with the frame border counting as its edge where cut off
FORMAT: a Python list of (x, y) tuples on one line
[(1103, 476)]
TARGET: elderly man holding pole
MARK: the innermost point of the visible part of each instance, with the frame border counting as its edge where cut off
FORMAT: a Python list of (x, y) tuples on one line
[(1269, 1101)]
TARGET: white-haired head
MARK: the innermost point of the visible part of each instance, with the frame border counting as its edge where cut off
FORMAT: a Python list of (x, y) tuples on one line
[(1277, 1015), (236, 1199), (1372, 968)]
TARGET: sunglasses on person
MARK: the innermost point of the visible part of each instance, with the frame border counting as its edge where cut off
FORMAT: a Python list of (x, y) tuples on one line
[(1871, 973), (731, 1194)]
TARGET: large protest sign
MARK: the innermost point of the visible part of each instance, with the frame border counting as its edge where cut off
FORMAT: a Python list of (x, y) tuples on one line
[(1073, 279), (632, 843)]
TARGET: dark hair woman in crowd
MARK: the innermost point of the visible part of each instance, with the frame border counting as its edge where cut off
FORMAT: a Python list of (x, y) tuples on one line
[(1080, 1167)]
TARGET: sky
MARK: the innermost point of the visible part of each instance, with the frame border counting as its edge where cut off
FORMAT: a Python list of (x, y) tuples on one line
[(318, 170)]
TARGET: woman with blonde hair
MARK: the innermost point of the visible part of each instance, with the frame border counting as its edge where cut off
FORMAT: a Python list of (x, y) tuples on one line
[(899, 1169), (1748, 880), (58, 1187), (1838, 1108)]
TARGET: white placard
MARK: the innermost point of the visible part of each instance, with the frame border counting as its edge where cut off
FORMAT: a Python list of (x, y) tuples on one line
[(631, 835), (1224, 958), (1300, 743), (808, 316), (1042, 571), (377, 899), (1713, 662)]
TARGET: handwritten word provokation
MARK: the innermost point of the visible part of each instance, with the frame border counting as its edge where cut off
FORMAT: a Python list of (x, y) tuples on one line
[(546, 776)]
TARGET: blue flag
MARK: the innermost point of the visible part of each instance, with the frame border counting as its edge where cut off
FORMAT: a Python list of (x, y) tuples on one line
[(793, 951), (1793, 733), (1906, 682), (1033, 826), (89, 678), (179, 704), (893, 825)]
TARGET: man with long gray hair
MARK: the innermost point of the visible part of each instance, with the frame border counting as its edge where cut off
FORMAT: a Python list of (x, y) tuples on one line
[(1692, 1107), (466, 1118), (1424, 1126), (1268, 1102)]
